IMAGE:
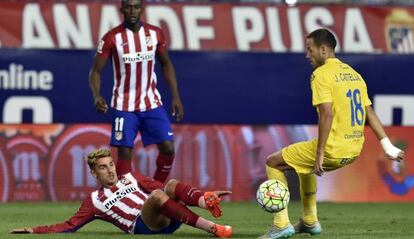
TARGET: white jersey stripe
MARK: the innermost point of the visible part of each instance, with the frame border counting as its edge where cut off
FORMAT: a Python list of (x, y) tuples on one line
[(144, 73), (114, 85), (132, 78), (151, 95), (120, 219)]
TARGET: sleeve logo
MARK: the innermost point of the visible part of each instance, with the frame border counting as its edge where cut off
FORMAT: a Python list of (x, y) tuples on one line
[(100, 46)]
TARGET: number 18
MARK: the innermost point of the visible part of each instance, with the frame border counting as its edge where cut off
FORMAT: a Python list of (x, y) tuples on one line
[(356, 107)]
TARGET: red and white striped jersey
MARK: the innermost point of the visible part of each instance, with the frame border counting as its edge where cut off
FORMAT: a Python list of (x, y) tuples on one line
[(133, 57), (120, 205)]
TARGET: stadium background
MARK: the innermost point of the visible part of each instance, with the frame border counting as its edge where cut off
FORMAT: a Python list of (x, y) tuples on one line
[(244, 82)]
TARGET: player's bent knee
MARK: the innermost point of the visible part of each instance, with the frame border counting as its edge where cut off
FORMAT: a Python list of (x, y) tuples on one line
[(170, 187), (158, 223), (273, 159), (158, 197), (157, 193)]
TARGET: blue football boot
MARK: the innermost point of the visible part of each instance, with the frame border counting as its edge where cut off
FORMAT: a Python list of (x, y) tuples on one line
[(314, 229), (279, 233)]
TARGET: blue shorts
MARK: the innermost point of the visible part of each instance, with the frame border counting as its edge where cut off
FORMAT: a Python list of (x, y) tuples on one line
[(154, 126), (141, 228)]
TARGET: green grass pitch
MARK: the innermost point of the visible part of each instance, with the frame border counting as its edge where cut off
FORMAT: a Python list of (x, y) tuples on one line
[(362, 220)]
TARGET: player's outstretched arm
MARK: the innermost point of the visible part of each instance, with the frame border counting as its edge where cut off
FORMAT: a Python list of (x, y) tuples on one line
[(24, 230), (392, 152), (84, 215)]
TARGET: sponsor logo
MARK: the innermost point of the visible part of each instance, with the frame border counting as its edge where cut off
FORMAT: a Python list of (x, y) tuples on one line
[(138, 57), (357, 134), (119, 195), (100, 46), (272, 196), (399, 31), (29, 163), (118, 136), (16, 77), (309, 194), (398, 177)]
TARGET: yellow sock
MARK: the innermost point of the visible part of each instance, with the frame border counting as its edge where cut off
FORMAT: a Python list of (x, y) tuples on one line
[(308, 187), (281, 219)]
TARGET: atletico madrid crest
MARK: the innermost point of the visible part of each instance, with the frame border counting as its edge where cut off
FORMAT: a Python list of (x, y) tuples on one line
[(118, 135), (399, 31), (148, 41), (125, 181)]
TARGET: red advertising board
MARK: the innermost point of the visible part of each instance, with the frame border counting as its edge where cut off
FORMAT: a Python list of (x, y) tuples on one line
[(212, 26), (5, 177), (45, 162), (29, 159), (372, 177)]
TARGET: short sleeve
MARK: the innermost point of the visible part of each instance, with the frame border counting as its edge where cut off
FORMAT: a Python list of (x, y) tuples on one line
[(147, 183), (366, 99), (162, 43), (105, 46), (321, 89)]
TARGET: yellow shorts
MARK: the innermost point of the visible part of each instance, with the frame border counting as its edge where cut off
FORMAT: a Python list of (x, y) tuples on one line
[(301, 156)]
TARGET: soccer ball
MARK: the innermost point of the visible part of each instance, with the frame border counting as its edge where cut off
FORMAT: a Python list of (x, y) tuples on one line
[(273, 196)]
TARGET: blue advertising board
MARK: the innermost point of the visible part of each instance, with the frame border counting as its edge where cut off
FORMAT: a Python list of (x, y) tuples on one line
[(216, 87)]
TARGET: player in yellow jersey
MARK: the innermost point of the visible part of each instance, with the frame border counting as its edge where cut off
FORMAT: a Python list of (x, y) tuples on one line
[(340, 96)]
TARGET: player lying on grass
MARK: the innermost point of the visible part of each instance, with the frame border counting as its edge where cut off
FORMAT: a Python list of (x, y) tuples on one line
[(138, 204)]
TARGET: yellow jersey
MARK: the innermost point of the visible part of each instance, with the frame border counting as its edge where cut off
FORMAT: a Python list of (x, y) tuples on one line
[(337, 83)]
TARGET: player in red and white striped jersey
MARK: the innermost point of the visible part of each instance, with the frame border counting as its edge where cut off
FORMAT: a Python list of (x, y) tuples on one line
[(136, 103), (138, 204)]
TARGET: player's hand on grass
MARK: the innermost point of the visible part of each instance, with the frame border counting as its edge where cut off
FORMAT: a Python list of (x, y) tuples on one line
[(100, 104), (222, 193), (24, 230)]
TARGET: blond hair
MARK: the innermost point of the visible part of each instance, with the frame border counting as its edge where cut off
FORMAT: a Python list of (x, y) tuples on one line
[(95, 155)]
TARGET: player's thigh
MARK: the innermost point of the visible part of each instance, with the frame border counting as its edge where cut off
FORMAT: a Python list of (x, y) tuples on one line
[(301, 156), (125, 127), (151, 211), (330, 164), (155, 127)]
